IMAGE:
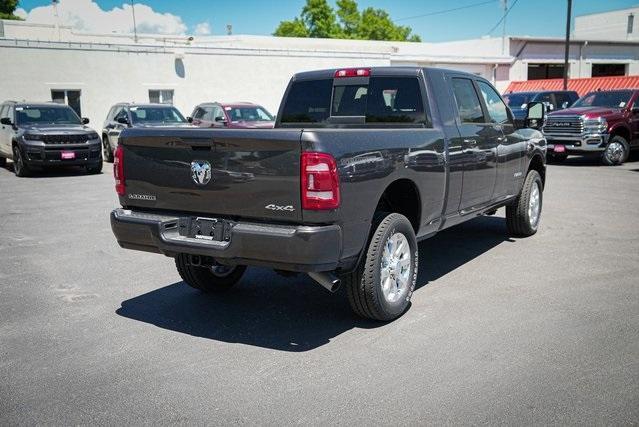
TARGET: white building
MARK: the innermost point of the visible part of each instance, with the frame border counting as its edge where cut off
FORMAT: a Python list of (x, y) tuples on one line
[(614, 25), (91, 72)]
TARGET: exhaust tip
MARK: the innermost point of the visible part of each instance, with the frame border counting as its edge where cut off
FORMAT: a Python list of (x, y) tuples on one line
[(328, 280)]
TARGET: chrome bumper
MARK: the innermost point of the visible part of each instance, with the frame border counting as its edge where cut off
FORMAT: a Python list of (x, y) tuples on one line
[(577, 143)]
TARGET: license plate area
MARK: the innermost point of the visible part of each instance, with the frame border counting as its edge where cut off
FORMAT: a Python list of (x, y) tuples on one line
[(560, 149), (67, 155), (211, 229)]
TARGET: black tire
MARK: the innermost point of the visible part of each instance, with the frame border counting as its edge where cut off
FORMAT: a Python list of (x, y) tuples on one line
[(364, 285), (616, 152), (205, 279), (3, 162), (108, 152), (518, 215), (20, 168), (95, 169)]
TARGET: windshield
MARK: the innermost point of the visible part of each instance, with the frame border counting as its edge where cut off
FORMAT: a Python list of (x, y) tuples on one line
[(48, 115), (156, 115), (616, 99), (518, 100), (249, 114)]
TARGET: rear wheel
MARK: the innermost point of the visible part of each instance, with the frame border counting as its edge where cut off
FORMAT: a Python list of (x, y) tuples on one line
[(108, 152), (383, 284), (214, 279), (20, 168), (523, 215), (616, 151)]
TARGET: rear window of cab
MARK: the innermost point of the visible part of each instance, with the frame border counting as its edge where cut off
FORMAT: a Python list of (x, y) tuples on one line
[(382, 100)]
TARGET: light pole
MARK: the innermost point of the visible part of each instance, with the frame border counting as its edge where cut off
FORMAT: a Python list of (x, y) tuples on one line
[(135, 31), (567, 48)]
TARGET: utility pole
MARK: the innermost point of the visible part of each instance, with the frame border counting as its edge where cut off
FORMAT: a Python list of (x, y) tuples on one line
[(503, 28), (135, 31), (567, 47)]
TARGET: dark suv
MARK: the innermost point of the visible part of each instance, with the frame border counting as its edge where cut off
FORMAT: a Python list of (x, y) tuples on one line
[(126, 115), (554, 100), (39, 135)]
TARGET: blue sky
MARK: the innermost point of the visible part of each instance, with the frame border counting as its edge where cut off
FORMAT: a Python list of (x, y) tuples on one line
[(527, 17)]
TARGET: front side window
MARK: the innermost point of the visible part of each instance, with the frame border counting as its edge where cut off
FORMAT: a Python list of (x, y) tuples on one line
[(248, 114), (48, 115), (497, 110), (468, 104), (156, 115), (612, 99), (199, 113), (517, 100)]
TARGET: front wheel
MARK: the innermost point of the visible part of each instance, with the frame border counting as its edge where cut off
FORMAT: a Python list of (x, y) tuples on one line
[(108, 152), (20, 168), (382, 285), (616, 151), (211, 279), (522, 216)]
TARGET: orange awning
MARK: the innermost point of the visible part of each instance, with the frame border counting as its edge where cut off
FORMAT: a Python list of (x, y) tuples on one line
[(581, 86)]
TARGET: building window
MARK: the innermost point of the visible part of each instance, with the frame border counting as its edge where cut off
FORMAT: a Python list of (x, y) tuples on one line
[(545, 71), (631, 23), (71, 97), (602, 70), (163, 96)]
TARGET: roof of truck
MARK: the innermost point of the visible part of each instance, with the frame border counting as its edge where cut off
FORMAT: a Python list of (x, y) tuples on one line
[(385, 70)]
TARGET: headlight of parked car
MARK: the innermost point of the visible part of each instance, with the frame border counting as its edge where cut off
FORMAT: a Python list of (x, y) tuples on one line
[(93, 135), (597, 125), (32, 136)]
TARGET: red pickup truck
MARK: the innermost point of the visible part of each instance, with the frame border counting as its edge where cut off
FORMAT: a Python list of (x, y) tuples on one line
[(604, 123)]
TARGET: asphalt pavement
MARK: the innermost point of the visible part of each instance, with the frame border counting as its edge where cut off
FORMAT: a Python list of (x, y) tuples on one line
[(543, 330)]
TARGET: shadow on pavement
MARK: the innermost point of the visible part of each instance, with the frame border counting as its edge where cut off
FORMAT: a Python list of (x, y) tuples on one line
[(56, 171), (593, 160), (295, 314)]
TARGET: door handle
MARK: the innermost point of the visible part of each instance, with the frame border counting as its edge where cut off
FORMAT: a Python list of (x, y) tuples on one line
[(471, 142)]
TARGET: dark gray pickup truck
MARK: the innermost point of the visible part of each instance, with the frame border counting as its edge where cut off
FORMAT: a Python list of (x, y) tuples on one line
[(362, 164)]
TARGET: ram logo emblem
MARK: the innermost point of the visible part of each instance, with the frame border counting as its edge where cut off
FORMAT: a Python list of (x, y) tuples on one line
[(201, 172)]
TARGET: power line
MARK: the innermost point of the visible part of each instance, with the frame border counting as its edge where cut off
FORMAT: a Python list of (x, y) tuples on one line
[(503, 17), (440, 12)]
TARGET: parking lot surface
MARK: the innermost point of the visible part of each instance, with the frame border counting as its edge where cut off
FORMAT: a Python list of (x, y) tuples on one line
[(501, 330)]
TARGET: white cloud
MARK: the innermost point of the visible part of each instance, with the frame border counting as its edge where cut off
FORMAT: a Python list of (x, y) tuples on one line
[(202, 29), (21, 13), (88, 16)]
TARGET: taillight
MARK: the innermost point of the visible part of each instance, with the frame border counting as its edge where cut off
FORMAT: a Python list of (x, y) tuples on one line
[(118, 171), (353, 72), (320, 181)]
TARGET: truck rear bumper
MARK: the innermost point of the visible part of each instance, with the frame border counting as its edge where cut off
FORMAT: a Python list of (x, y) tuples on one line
[(286, 247)]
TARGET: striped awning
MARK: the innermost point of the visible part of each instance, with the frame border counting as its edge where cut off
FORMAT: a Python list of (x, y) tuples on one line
[(581, 86)]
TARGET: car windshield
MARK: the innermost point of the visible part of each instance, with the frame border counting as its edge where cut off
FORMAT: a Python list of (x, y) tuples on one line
[(248, 114), (518, 100), (616, 99), (156, 115), (49, 115)]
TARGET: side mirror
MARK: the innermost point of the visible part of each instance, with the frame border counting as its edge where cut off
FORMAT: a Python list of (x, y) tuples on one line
[(6, 121), (220, 119), (565, 105), (85, 120), (123, 120), (535, 115), (189, 119)]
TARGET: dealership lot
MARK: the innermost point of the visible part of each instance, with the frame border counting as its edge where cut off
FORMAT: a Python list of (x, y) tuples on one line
[(501, 330)]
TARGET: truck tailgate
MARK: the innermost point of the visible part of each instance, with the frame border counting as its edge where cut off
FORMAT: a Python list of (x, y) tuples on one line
[(251, 173)]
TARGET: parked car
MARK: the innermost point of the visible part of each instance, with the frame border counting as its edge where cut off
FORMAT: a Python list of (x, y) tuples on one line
[(362, 164), (603, 123), (243, 115), (43, 135), (125, 115), (553, 100)]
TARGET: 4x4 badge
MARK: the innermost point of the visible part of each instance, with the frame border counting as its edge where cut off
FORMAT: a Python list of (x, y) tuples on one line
[(201, 172)]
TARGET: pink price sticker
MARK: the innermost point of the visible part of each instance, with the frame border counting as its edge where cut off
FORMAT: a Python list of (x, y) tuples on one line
[(67, 155), (560, 149)]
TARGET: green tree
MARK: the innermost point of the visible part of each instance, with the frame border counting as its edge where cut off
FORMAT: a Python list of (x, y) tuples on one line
[(7, 7), (318, 19)]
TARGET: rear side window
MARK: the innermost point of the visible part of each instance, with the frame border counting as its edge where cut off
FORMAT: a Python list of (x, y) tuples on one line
[(494, 104), (382, 100), (467, 101), (308, 102)]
